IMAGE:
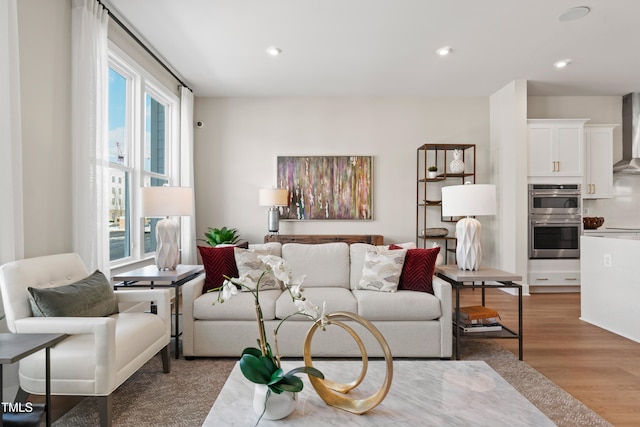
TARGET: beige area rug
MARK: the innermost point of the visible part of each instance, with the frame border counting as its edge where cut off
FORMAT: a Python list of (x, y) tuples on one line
[(185, 396)]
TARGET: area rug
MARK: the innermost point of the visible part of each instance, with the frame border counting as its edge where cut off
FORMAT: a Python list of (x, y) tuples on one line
[(185, 396)]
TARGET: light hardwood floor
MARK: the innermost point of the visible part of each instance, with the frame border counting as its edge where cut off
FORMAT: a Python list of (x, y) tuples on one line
[(599, 368)]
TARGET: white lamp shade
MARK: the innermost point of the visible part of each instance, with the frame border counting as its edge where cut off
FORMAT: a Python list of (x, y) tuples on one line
[(469, 200), (167, 201), (274, 197)]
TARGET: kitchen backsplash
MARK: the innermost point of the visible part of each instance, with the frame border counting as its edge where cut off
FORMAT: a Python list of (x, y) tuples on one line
[(623, 210)]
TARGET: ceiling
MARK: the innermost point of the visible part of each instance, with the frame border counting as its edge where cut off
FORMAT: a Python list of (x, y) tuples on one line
[(387, 47)]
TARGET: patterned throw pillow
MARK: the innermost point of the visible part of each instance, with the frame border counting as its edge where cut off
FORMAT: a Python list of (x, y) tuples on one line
[(417, 273), (218, 262), (382, 269), (250, 268)]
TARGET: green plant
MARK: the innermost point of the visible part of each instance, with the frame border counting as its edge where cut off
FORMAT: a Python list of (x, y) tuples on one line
[(432, 168), (218, 236)]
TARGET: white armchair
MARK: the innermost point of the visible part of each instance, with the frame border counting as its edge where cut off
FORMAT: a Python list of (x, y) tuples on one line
[(101, 352)]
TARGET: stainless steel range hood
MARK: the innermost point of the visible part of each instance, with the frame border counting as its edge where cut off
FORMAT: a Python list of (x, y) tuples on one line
[(630, 162)]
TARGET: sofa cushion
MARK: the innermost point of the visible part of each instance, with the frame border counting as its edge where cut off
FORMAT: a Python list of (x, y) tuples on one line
[(92, 296), (357, 252), (274, 248), (251, 269), (400, 305), (324, 265), (337, 299), (218, 262), (418, 269), (382, 269), (240, 307)]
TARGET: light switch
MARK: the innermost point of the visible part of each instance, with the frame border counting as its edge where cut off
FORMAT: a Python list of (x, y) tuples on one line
[(607, 260)]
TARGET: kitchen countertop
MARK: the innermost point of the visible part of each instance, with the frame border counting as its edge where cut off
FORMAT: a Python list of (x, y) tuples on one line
[(614, 230)]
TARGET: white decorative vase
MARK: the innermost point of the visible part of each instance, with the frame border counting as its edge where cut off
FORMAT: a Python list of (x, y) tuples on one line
[(439, 257), (456, 165), (278, 406)]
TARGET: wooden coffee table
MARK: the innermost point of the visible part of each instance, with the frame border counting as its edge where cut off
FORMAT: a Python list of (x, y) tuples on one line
[(434, 393)]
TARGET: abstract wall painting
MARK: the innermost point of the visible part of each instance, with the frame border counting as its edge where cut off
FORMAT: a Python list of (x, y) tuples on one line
[(327, 187)]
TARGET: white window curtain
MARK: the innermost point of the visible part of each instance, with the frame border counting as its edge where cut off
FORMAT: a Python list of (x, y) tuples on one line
[(89, 133), (11, 215), (11, 212), (188, 235)]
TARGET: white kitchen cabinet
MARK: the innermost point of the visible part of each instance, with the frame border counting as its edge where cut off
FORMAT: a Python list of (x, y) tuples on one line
[(556, 147), (598, 176)]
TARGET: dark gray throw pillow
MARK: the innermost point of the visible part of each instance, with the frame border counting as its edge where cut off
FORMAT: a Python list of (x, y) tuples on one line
[(92, 296)]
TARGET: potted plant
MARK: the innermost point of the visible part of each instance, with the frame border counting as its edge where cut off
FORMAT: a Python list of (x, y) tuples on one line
[(219, 236), (274, 390), (432, 171)]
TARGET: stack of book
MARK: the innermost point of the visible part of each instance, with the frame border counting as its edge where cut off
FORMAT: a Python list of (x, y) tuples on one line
[(478, 318)]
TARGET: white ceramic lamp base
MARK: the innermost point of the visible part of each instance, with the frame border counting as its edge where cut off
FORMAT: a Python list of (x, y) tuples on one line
[(468, 249), (167, 244)]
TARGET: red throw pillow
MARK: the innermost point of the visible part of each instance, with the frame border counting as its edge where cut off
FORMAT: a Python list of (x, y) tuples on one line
[(418, 268), (218, 262)]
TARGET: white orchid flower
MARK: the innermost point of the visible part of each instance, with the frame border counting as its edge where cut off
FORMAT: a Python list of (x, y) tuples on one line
[(279, 267), (228, 291), (296, 291), (324, 321), (307, 307)]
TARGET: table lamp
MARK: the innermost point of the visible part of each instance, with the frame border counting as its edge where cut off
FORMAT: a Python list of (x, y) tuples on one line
[(274, 197), (468, 200), (165, 202)]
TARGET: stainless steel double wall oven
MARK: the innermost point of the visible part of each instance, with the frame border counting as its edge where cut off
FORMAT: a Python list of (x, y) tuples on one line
[(555, 222)]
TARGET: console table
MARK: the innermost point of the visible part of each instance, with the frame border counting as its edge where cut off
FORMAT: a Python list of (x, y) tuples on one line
[(457, 278), (372, 239), (150, 275), (14, 347)]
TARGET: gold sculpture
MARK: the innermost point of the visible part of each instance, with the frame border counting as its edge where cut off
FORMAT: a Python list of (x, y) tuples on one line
[(333, 393)]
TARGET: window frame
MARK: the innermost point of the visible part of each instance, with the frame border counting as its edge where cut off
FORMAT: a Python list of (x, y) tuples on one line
[(140, 83)]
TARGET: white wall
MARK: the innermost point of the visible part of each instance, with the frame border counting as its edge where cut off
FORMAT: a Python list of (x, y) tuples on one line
[(236, 153), (508, 172)]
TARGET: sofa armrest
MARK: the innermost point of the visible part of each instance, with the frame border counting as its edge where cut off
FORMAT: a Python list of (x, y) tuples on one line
[(161, 297), (190, 291), (442, 290)]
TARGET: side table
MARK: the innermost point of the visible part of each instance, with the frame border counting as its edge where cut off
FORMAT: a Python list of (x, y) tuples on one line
[(457, 278), (14, 347), (150, 275)]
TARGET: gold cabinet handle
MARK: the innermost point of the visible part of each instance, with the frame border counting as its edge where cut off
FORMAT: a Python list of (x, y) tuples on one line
[(571, 278), (558, 166), (594, 189)]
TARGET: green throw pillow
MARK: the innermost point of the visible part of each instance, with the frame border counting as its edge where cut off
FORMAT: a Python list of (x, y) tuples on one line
[(92, 296)]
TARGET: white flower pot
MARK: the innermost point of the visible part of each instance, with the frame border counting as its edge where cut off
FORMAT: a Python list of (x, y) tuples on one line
[(278, 405), (432, 174)]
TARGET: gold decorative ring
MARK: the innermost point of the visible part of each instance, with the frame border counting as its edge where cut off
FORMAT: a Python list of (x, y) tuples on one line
[(329, 390)]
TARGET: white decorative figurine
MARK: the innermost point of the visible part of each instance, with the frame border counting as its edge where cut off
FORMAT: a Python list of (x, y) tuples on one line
[(457, 165)]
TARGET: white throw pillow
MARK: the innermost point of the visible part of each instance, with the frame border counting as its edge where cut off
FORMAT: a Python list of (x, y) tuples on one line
[(251, 267), (382, 269)]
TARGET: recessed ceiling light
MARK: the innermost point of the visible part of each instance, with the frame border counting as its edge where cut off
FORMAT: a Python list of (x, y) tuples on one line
[(562, 63), (273, 51), (574, 13), (444, 51)]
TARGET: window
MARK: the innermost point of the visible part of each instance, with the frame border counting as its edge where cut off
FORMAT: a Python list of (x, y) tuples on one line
[(143, 144)]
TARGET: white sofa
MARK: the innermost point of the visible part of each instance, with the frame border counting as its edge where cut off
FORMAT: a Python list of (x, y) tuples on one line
[(414, 324)]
